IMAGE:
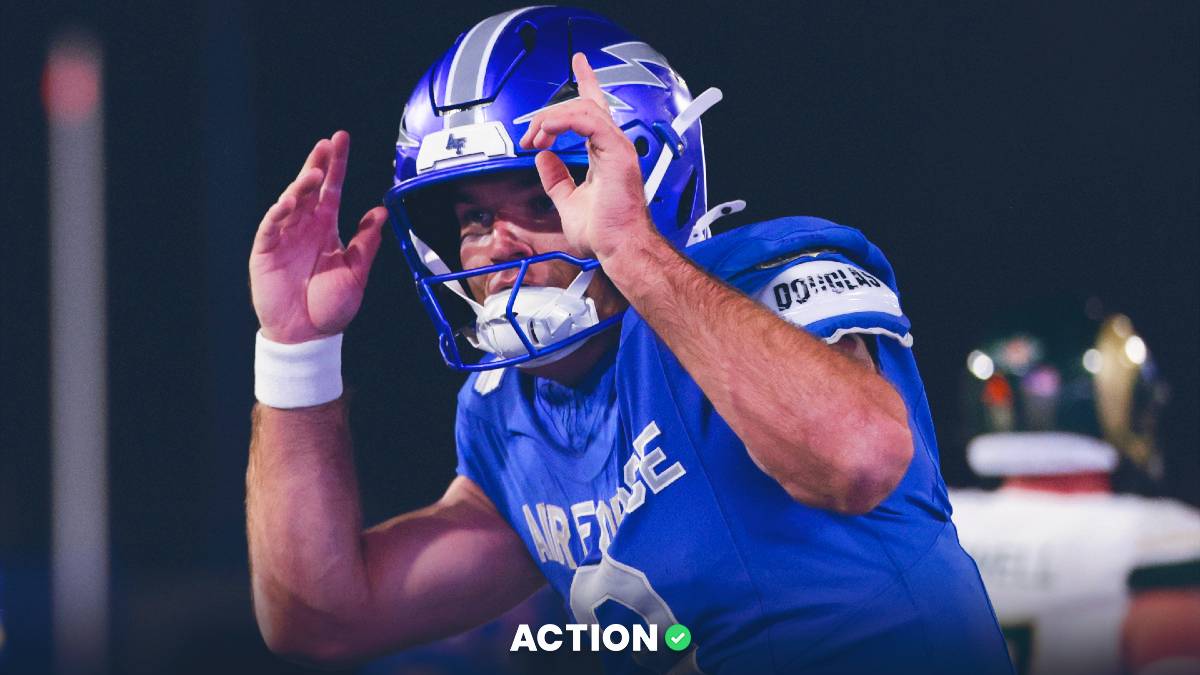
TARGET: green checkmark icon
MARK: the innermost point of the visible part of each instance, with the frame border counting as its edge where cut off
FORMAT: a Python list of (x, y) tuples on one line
[(678, 637)]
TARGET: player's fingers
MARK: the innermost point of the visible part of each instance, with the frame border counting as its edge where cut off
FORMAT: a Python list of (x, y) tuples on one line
[(309, 181), (270, 227), (585, 77), (286, 207), (318, 157), (331, 189), (586, 120), (279, 211), (560, 118), (287, 213), (365, 244), (307, 189), (277, 219), (302, 192), (590, 117), (556, 179), (530, 132), (282, 212)]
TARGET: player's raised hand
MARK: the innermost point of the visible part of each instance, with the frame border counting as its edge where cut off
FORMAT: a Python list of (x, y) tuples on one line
[(304, 283), (607, 210)]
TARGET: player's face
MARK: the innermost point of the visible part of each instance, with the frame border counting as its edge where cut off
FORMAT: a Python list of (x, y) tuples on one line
[(507, 216)]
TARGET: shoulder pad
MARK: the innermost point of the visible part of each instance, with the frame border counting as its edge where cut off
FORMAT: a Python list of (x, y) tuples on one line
[(831, 297), (812, 289), (774, 242)]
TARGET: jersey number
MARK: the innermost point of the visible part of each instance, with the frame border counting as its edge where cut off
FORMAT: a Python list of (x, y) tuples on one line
[(594, 585)]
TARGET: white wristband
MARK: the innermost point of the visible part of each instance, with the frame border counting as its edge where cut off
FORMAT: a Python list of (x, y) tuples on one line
[(299, 375)]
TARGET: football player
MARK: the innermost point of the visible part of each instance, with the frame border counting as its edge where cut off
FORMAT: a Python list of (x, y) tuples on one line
[(1083, 580), (732, 436)]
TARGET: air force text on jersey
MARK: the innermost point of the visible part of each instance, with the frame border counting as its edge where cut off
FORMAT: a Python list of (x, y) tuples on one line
[(646, 469)]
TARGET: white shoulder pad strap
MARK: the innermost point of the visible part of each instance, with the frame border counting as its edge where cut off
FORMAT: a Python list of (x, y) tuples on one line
[(488, 381), (821, 289)]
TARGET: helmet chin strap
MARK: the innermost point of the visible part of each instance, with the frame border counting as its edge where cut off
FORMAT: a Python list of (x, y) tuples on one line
[(685, 119), (435, 264), (702, 229)]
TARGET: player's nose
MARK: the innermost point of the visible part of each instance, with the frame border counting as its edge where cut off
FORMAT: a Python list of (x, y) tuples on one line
[(509, 241)]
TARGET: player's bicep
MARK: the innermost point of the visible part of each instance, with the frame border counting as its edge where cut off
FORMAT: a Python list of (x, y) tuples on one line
[(443, 569)]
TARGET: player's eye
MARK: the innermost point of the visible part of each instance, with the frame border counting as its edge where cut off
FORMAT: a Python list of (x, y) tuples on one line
[(474, 222), (542, 205), (477, 217)]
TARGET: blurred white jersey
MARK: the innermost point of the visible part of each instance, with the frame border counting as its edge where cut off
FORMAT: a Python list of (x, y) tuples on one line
[(1057, 567)]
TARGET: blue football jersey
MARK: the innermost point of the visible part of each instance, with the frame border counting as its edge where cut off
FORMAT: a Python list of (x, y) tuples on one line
[(640, 504)]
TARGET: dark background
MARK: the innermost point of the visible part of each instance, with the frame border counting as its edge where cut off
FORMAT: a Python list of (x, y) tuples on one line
[(999, 154)]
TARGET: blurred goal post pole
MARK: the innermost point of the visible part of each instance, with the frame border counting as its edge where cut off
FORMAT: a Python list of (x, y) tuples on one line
[(72, 93)]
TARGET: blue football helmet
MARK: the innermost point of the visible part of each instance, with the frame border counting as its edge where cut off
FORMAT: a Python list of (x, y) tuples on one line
[(465, 118)]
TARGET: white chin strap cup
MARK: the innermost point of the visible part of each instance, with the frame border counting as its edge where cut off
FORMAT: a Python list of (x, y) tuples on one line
[(546, 314)]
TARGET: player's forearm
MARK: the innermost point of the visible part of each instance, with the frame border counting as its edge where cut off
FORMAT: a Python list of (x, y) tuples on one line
[(832, 433), (303, 524)]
